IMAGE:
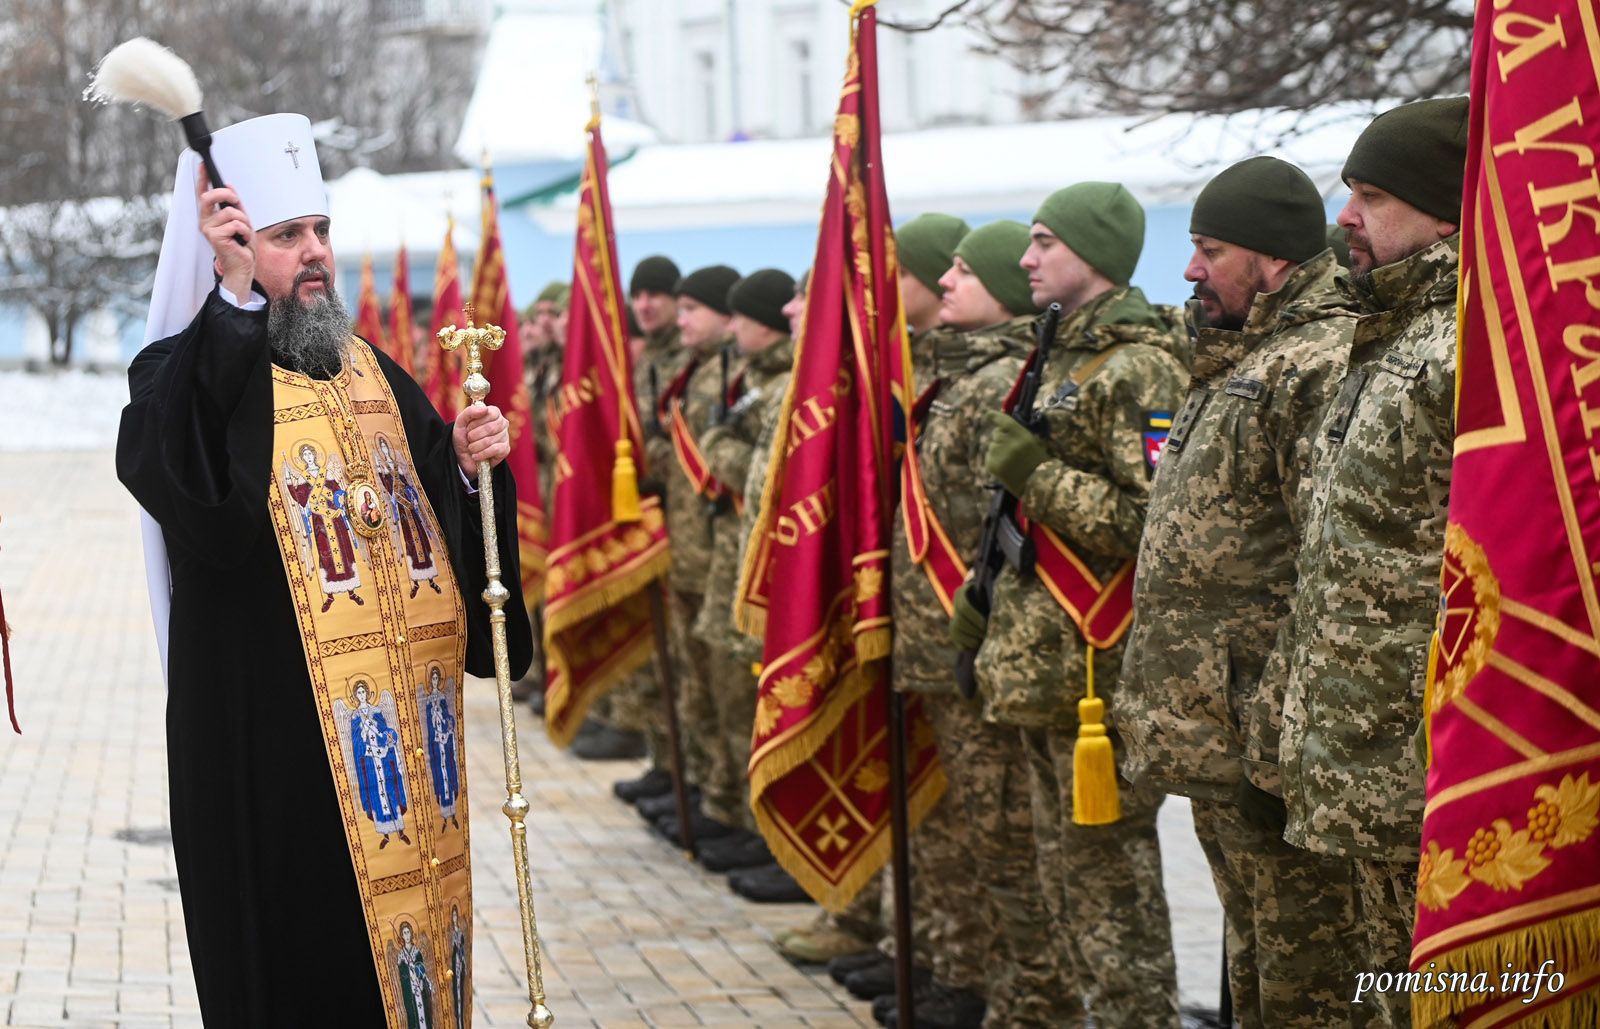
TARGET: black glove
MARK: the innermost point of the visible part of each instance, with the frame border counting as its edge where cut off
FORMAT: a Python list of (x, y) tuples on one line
[(1261, 809)]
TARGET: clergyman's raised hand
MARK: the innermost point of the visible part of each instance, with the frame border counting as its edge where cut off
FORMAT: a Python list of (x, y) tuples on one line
[(222, 218)]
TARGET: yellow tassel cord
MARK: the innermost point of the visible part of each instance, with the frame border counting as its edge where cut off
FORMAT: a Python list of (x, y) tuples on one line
[(624, 484), (1095, 800), (1427, 697)]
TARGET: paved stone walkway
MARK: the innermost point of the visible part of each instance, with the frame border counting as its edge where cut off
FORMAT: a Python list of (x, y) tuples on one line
[(91, 929)]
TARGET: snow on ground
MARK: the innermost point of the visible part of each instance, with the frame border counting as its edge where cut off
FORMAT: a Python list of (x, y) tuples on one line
[(67, 410)]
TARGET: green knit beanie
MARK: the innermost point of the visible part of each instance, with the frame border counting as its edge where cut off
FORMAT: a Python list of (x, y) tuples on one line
[(1266, 205), (655, 274), (1101, 222), (1418, 152), (552, 291), (761, 295), (709, 285), (992, 252), (927, 243)]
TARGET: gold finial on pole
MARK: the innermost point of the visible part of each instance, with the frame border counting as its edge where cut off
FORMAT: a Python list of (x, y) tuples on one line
[(476, 339), (593, 81)]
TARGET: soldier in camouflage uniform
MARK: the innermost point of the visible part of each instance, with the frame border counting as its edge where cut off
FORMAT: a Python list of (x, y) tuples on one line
[(1087, 479), (736, 449), (1215, 579), (1369, 567), (632, 711), (988, 827)]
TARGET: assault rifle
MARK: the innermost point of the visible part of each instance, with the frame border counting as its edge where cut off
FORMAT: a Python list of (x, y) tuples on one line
[(654, 428), (1003, 541)]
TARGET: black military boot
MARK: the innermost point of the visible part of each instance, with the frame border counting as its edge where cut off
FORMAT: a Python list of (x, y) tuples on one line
[(654, 783), (936, 1007), (767, 884), (608, 744), (652, 808), (701, 828), (876, 980), (840, 967), (739, 849)]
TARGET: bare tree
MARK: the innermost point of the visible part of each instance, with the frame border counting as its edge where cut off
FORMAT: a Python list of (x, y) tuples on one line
[(83, 188), (1220, 56)]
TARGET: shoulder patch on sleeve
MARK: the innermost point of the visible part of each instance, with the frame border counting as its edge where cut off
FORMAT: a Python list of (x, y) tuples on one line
[(1157, 425)]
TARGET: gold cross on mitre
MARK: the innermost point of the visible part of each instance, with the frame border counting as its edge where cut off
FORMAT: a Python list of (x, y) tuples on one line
[(476, 338)]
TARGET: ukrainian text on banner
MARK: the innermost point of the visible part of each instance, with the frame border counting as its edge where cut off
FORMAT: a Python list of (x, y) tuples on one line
[(819, 762), (508, 390), (597, 625), (1509, 879)]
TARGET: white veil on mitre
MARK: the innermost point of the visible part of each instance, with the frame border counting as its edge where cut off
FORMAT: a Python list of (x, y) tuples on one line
[(271, 162)]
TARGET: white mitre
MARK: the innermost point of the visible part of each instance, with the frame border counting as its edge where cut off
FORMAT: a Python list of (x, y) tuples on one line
[(271, 162)]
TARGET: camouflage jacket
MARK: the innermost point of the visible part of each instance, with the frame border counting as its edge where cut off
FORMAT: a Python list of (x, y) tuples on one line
[(1369, 570), (925, 348), (1032, 666), (736, 452), (690, 516), (971, 373), (1216, 566), (663, 353)]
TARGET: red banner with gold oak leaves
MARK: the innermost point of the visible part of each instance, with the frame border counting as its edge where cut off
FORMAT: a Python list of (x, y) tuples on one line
[(369, 314), (508, 390), (597, 625), (819, 761), (401, 347), (442, 379), (1509, 880)]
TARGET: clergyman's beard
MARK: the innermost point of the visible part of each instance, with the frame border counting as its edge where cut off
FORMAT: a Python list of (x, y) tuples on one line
[(309, 337)]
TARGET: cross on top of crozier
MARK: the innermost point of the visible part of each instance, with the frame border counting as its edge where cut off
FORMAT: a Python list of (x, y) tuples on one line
[(476, 339)]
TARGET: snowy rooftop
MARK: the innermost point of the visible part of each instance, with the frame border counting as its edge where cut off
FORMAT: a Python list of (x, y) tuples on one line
[(531, 101), (1002, 167), (374, 214)]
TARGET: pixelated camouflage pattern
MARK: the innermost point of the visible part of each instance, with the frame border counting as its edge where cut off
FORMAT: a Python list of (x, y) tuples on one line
[(688, 521), (1385, 919), (988, 804), (1215, 576), (1032, 666), (1289, 917), (1102, 886), (975, 371), (736, 452), (663, 352), (543, 373), (1369, 570)]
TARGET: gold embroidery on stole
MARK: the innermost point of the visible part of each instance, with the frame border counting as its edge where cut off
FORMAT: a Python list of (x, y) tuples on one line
[(384, 632)]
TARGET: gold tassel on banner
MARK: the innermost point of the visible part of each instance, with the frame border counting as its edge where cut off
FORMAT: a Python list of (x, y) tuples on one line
[(1095, 800), (624, 484)]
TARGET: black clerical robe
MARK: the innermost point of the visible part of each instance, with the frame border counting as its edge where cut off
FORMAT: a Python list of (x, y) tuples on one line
[(275, 925)]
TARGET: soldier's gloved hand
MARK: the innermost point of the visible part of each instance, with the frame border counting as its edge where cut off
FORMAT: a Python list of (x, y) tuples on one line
[(967, 625), (1261, 809), (1014, 453)]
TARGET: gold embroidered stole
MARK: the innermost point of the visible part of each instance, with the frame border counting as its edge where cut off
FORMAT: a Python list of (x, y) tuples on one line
[(385, 640)]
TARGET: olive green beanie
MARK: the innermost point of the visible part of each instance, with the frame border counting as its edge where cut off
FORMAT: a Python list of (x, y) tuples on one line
[(761, 295), (709, 285), (1418, 152), (926, 245), (1101, 222), (1266, 205), (654, 274), (551, 291), (992, 252)]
